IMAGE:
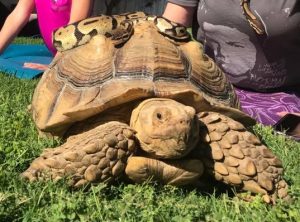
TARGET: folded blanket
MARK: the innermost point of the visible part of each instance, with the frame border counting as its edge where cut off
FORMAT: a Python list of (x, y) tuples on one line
[(13, 58)]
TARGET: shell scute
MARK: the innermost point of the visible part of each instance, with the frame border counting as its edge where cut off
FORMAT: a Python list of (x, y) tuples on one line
[(89, 65), (162, 59)]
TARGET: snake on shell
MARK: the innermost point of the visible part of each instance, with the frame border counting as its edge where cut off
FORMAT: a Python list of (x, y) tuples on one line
[(120, 27), (117, 27), (253, 21)]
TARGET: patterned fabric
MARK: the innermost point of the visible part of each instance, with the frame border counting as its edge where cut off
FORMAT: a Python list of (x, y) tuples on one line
[(264, 106)]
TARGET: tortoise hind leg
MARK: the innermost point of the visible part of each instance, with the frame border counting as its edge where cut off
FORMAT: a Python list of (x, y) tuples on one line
[(98, 155), (236, 157)]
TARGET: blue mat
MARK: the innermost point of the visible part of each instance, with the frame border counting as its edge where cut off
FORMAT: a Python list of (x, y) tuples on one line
[(13, 58)]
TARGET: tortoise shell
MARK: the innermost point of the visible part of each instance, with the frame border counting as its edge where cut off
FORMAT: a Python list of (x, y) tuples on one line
[(90, 79)]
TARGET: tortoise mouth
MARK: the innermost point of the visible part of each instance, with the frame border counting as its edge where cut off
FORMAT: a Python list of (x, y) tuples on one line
[(167, 149)]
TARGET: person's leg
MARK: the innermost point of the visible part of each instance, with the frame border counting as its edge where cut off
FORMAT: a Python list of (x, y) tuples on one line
[(30, 29)]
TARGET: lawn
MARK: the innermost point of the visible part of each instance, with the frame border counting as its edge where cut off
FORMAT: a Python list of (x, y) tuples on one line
[(48, 201)]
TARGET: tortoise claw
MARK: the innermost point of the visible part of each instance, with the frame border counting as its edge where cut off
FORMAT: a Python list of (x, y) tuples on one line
[(98, 155)]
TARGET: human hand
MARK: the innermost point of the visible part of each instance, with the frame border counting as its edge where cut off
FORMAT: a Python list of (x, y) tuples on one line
[(282, 114), (37, 66), (180, 14)]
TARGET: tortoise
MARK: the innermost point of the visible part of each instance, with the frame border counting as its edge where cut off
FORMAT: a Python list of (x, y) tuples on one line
[(148, 106)]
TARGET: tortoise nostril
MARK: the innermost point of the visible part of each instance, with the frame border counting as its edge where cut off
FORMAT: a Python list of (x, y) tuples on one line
[(185, 121)]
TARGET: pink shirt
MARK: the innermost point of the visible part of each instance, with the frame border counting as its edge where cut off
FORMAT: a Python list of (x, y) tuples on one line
[(52, 14)]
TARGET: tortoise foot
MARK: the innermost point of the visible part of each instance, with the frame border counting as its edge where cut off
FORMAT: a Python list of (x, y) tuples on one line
[(237, 157), (173, 172), (98, 155)]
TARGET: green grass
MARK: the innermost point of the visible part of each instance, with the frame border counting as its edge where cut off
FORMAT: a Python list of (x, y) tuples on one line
[(21, 201), (26, 40), (48, 201)]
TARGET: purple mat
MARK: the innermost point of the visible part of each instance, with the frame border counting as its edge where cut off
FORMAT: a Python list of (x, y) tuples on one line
[(264, 106)]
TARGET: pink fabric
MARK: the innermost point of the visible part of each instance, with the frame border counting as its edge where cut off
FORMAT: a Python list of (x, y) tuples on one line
[(52, 14)]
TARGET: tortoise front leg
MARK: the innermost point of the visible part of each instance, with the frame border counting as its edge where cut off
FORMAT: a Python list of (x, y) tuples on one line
[(98, 155), (236, 157), (173, 172)]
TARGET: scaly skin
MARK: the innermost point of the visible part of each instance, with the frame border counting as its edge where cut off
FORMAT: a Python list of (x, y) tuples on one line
[(98, 155), (236, 157)]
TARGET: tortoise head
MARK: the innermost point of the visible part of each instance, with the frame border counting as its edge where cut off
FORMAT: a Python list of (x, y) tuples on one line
[(166, 129)]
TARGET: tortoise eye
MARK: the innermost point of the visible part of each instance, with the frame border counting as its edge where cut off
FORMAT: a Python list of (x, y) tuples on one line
[(159, 116)]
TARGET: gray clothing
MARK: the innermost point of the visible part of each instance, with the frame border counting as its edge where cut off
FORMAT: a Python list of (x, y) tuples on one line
[(250, 60)]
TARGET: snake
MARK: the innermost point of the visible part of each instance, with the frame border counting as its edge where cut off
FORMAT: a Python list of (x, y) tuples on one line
[(118, 28), (254, 22)]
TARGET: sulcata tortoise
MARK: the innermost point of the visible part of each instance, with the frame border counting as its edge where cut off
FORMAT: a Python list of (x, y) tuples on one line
[(135, 98)]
